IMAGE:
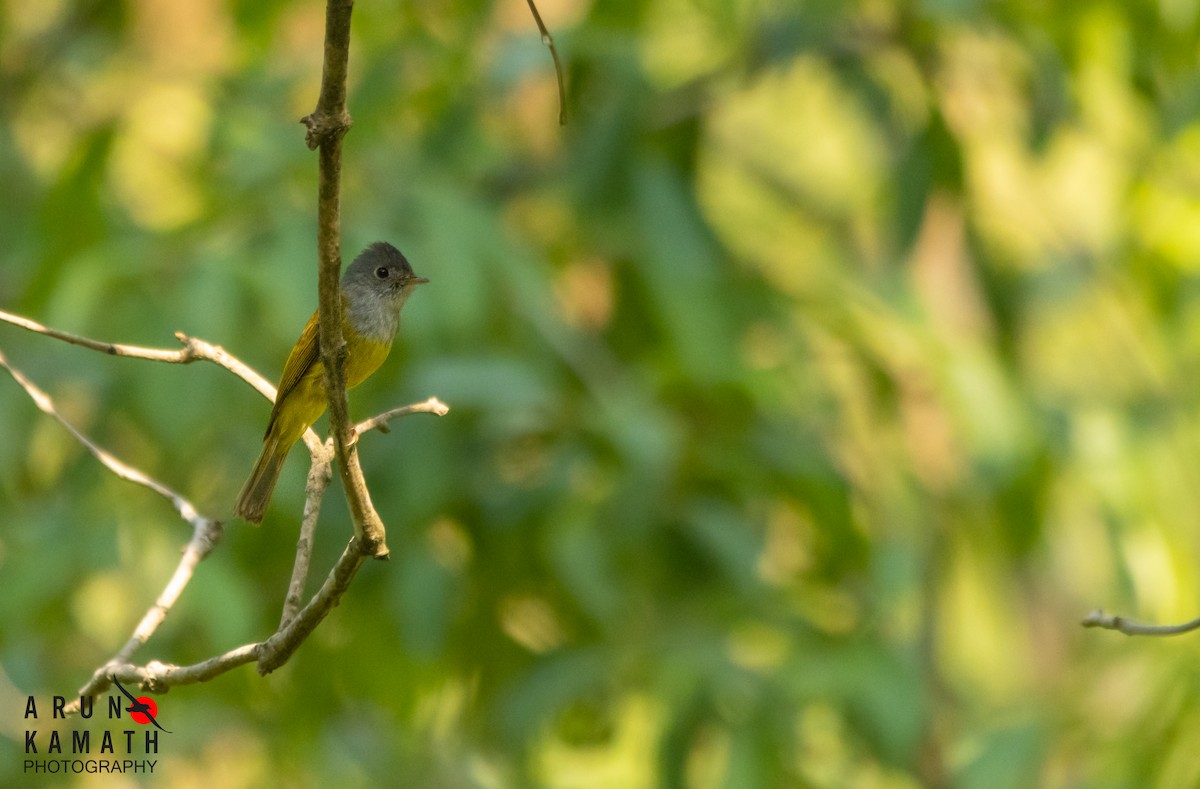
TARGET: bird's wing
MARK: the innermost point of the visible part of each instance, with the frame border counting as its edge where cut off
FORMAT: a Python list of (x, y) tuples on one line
[(305, 353)]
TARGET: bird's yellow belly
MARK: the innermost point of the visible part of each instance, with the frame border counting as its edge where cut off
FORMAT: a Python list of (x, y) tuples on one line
[(365, 360)]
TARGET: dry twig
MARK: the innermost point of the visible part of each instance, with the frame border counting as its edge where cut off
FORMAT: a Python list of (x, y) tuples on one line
[(380, 422)]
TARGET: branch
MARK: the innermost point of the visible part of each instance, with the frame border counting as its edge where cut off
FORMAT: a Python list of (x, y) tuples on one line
[(331, 120), (206, 532), (1105, 621), (319, 474), (183, 355), (271, 654), (296, 624)]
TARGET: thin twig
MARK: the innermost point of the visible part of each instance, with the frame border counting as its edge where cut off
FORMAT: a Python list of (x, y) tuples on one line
[(126, 472), (183, 355), (157, 677), (193, 350), (1129, 627), (548, 40), (319, 474), (380, 421)]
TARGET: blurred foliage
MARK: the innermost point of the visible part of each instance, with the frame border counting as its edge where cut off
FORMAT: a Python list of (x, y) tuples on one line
[(807, 387)]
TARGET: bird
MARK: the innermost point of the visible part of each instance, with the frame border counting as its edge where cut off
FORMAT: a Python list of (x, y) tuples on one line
[(374, 289)]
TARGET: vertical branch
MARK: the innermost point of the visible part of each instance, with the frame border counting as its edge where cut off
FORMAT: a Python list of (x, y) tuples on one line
[(326, 127)]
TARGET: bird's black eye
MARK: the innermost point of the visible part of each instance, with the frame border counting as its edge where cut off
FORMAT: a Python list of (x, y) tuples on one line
[(381, 272)]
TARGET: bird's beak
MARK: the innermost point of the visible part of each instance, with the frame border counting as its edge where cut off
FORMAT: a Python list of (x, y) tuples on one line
[(415, 280)]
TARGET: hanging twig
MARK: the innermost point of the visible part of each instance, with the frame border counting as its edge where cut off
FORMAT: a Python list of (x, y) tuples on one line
[(548, 40)]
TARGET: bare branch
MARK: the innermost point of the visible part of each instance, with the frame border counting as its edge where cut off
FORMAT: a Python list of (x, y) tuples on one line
[(319, 475), (206, 532), (331, 120), (271, 654), (296, 625), (1105, 621), (191, 351)]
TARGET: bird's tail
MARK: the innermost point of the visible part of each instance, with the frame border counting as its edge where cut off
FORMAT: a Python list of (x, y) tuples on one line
[(256, 493)]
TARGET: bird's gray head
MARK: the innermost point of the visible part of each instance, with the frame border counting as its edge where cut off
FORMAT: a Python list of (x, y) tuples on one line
[(375, 286)]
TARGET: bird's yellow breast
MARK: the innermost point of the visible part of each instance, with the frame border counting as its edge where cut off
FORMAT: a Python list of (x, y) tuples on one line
[(363, 357)]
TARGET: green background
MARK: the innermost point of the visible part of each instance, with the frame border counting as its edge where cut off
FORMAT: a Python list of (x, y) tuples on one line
[(808, 387)]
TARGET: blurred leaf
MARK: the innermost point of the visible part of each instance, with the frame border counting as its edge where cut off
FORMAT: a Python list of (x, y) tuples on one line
[(1004, 759)]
